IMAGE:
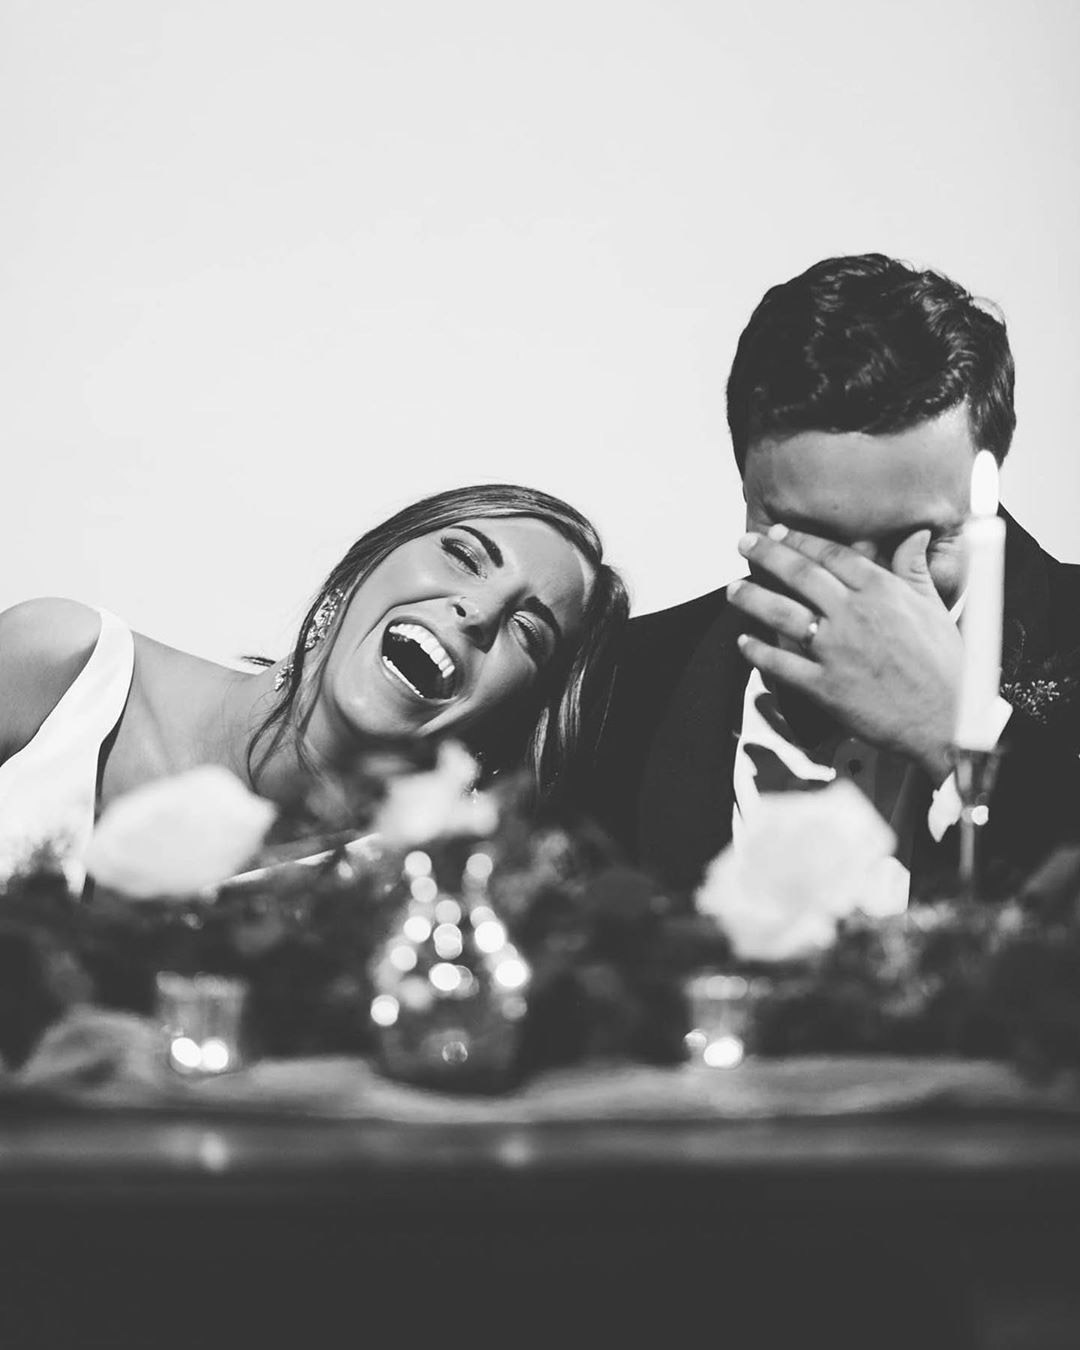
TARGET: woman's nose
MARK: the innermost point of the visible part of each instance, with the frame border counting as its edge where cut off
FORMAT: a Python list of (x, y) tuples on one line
[(481, 626)]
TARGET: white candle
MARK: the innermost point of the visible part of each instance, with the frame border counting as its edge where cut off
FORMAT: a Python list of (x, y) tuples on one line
[(980, 619)]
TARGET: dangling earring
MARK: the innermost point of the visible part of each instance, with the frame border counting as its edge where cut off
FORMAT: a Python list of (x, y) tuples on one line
[(320, 625)]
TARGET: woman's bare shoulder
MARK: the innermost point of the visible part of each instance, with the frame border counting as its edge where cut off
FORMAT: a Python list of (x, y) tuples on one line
[(44, 644)]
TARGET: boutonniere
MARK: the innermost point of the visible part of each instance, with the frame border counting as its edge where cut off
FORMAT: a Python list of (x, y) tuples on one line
[(1040, 692)]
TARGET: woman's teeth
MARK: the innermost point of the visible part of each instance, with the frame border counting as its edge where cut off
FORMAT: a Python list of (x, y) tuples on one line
[(417, 657)]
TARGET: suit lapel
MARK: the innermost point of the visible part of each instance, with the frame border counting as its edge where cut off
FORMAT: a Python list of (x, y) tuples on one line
[(1026, 630), (687, 791)]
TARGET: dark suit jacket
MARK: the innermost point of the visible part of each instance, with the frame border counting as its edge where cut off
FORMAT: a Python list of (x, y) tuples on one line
[(661, 780)]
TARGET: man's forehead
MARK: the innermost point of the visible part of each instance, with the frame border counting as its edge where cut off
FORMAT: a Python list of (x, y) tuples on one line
[(847, 481)]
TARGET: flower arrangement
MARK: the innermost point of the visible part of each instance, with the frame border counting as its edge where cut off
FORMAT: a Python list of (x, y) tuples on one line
[(808, 860), (841, 965), (807, 915), (304, 925)]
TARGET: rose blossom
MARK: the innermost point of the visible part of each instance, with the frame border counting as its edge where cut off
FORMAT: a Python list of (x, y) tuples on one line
[(805, 860), (178, 835), (422, 806)]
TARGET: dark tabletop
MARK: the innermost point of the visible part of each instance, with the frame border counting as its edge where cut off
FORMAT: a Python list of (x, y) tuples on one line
[(127, 1229)]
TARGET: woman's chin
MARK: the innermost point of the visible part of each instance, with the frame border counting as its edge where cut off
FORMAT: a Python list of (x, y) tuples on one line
[(396, 715)]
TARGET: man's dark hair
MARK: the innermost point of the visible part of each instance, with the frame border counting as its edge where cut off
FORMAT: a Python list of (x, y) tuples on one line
[(867, 343)]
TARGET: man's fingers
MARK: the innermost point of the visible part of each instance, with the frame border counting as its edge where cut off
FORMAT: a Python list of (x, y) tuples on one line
[(847, 564), (790, 667), (801, 575), (784, 616), (909, 562)]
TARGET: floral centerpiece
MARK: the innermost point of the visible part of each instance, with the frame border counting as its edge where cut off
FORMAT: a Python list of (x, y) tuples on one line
[(309, 907), (197, 875)]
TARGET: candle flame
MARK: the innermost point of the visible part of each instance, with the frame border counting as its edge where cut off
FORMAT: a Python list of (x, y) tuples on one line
[(984, 485)]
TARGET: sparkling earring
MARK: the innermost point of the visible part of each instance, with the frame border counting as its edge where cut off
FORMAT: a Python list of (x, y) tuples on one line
[(320, 625)]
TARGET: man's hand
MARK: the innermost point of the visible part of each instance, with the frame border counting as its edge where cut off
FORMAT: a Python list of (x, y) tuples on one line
[(883, 657)]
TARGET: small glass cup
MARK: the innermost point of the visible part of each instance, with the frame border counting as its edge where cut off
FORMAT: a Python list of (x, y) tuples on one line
[(721, 1007), (201, 1018)]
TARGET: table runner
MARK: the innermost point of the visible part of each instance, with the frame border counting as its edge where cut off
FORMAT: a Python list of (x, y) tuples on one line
[(100, 1059)]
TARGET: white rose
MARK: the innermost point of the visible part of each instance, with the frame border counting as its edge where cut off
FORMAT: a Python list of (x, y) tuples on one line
[(423, 806), (806, 860), (178, 835)]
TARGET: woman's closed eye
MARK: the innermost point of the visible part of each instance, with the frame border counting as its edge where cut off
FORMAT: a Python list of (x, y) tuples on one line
[(463, 554), (530, 635)]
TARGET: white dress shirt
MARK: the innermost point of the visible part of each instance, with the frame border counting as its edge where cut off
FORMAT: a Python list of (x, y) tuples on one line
[(890, 781)]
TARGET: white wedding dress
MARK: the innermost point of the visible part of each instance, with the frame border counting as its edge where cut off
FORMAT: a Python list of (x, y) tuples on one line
[(48, 789)]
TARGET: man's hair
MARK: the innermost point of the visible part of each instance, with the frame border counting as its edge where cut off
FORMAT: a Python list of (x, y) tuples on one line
[(867, 343)]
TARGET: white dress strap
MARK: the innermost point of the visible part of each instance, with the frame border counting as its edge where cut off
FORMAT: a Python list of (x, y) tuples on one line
[(48, 789)]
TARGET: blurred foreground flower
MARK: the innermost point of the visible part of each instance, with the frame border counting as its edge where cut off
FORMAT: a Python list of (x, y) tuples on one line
[(806, 860), (178, 835), (420, 807)]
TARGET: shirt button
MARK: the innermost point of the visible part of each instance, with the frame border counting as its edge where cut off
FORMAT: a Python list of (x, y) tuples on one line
[(850, 758)]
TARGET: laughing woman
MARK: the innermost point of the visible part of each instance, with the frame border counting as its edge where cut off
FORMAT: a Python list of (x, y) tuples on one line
[(483, 613)]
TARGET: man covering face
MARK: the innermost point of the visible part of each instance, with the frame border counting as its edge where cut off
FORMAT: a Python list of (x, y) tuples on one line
[(860, 393)]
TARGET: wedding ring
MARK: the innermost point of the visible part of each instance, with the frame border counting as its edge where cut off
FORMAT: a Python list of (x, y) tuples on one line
[(810, 634)]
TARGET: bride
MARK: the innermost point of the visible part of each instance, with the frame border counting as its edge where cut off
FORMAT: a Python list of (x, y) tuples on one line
[(485, 613)]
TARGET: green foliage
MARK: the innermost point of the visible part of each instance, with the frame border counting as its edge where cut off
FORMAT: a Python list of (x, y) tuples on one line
[(609, 953)]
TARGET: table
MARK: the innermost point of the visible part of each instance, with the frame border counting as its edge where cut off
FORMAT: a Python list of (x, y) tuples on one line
[(123, 1229)]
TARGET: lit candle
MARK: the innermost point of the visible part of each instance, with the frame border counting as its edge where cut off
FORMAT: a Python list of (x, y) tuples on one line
[(980, 620)]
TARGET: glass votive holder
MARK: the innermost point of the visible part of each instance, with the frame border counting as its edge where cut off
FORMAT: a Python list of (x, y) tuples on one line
[(201, 1018), (721, 1007)]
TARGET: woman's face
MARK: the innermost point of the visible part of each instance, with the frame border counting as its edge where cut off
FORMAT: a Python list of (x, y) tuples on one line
[(450, 626)]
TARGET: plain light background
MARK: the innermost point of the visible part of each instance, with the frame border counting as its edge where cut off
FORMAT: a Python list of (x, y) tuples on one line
[(269, 271)]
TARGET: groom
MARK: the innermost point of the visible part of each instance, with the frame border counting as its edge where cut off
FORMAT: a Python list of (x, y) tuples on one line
[(859, 395)]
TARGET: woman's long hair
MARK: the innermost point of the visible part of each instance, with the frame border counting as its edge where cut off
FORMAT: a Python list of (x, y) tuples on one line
[(545, 730)]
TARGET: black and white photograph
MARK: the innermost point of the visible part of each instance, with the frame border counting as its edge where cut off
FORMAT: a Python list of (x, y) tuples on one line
[(540, 674)]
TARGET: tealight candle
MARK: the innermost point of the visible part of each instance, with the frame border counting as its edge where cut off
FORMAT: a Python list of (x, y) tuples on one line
[(721, 1016), (983, 539), (201, 1021)]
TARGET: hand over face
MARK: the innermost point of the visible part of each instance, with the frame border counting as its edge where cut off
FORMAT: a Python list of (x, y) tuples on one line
[(876, 649)]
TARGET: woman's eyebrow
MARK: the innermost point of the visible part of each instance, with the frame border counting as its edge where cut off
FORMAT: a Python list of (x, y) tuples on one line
[(489, 545)]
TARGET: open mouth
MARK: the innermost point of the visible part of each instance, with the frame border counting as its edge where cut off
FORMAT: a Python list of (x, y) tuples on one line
[(418, 659)]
